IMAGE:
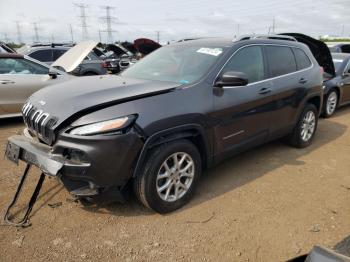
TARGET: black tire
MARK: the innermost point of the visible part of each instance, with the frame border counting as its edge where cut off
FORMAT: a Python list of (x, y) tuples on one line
[(145, 183), (328, 113), (296, 139)]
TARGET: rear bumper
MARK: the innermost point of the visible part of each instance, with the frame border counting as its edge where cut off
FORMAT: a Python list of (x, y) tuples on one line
[(94, 166)]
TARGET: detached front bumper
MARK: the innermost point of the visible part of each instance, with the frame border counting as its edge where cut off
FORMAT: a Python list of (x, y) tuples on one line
[(97, 167)]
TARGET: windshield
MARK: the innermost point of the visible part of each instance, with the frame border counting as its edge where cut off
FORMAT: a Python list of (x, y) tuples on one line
[(179, 63), (337, 64)]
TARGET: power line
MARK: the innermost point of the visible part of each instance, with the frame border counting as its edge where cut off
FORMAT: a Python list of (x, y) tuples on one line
[(84, 26), (109, 20), (19, 32)]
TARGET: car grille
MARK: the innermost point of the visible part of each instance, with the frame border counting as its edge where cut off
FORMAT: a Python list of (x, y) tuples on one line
[(39, 123)]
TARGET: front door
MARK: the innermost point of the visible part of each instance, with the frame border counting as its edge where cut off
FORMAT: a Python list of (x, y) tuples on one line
[(243, 112)]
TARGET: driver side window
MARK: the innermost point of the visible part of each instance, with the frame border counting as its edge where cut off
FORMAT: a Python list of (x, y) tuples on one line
[(248, 60), (21, 66)]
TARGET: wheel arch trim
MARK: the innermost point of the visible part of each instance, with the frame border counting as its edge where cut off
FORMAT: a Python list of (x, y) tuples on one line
[(172, 134)]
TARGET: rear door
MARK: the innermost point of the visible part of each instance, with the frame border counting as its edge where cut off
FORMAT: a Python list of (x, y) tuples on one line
[(19, 78), (290, 80), (243, 112)]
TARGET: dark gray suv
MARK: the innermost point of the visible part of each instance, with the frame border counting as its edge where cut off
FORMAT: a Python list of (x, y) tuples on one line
[(185, 107)]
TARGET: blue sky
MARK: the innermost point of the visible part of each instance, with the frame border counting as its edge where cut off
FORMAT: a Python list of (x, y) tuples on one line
[(174, 19)]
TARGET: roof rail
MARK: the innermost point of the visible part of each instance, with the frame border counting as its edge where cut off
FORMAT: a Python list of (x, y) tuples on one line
[(276, 37)]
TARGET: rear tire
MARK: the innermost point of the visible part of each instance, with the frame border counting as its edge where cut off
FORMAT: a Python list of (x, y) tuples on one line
[(169, 176), (305, 129), (330, 103)]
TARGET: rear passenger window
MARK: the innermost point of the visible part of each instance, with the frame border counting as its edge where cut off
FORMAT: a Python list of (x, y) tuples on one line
[(302, 59), (281, 60), (248, 60)]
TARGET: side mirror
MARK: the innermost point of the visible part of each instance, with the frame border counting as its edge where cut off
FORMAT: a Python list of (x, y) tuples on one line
[(52, 74), (232, 78)]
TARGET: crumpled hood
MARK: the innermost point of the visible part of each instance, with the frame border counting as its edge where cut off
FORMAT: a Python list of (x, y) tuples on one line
[(93, 92)]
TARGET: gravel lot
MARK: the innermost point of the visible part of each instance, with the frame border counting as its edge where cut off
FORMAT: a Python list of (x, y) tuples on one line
[(269, 204)]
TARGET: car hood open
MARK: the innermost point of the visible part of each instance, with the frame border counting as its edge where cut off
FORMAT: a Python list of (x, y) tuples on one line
[(319, 49), (74, 56), (90, 93)]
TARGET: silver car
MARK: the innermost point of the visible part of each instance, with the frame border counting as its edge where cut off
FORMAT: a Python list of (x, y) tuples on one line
[(21, 76)]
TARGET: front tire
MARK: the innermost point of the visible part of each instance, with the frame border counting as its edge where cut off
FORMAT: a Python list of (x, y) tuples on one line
[(169, 176), (331, 103), (305, 129)]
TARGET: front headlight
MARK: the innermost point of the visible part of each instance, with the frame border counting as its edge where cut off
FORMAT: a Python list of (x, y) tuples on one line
[(103, 127)]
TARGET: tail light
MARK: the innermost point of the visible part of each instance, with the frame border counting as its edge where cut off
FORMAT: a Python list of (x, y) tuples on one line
[(321, 69), (104, 64)]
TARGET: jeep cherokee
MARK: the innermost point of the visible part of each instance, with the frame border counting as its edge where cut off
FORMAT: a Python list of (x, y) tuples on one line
[(185, 107)]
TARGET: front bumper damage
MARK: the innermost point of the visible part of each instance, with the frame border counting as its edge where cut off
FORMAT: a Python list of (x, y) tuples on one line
[(96, 168)]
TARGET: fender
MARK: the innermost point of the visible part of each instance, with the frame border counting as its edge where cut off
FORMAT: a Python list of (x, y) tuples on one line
[(171, 134)]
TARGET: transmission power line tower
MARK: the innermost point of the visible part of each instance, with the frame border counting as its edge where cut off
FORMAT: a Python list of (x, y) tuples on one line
[(36, 33), (109, 20), (84, 26), (71, 32), (158, 36), (19, 32)]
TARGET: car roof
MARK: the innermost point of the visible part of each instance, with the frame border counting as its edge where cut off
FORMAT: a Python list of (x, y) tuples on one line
[(229, 42), (341, 55), (10, 55)]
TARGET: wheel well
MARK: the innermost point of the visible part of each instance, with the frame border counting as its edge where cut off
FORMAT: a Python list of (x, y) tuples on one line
[(316, 101), (193, 135), (90, 73)]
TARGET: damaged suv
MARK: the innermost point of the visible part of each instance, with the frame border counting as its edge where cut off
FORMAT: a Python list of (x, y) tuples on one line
[(185, 107)]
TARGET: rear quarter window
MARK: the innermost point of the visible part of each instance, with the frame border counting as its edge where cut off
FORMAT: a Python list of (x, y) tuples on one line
[(281, 60), (42, 55), (302, 59)]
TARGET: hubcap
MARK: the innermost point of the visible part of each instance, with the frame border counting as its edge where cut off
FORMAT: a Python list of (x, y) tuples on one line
[(332, 103), (308, 126), (175, 176)]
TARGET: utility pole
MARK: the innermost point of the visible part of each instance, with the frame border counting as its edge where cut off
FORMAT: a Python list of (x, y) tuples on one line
[(99, 35), (84, 26), (158, 36), (109, 20), (19, 33), (273, 25), (36, 33), (71, 32), (342, 30), (6, 39), (238, 27)]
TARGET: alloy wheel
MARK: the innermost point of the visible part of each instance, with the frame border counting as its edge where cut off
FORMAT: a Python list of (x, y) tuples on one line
[(308, 126), (175, 176)]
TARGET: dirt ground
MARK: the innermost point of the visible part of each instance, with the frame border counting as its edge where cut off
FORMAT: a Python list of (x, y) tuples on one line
[(269, 204)]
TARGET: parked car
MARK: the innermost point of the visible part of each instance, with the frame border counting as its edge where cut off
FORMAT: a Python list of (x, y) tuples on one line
[(340, 48), (184, 107), (337, 89), (21, 76), (91, 64)]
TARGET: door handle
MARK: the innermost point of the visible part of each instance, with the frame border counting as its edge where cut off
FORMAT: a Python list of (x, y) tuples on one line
[(264, 91), (5, 82), (302, 80)]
